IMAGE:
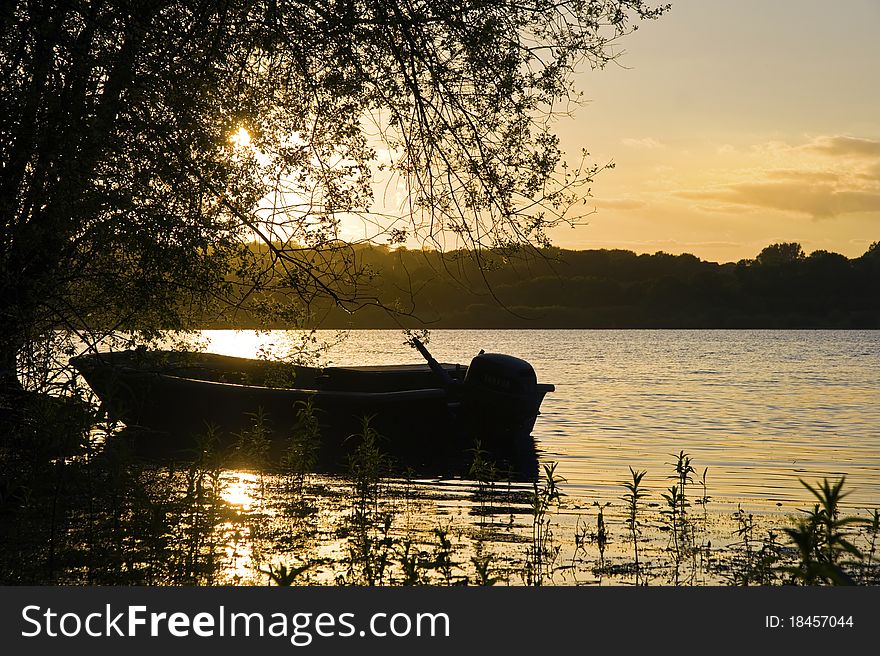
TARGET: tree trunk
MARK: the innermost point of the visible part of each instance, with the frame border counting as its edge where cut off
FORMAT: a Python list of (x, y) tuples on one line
[(9, 382)]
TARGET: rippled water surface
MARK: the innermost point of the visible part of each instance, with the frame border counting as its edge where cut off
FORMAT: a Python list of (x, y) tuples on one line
[(760, 409)]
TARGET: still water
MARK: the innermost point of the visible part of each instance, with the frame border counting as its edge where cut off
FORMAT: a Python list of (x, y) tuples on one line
[(760, 409)]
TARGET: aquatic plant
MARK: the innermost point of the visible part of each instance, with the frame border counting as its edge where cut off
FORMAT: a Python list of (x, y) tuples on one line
[(484, 471), (684, 542), (283, 576), (634, 494), (252, 444), (370, 545), (704, 497), (754, 561), (412, 563), (105, 517), (483, 566), (542, 553), (370, 551), (672, 516), (683, 471), (822, 538), (301, 455), (441, 560), (872, 529), (367, 464)]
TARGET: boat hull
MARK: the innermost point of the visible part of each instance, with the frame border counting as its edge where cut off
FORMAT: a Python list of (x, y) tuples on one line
[(423, 428)]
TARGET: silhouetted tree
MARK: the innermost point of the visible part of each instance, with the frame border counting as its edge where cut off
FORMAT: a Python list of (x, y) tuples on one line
[(146, 144), (783, 253)]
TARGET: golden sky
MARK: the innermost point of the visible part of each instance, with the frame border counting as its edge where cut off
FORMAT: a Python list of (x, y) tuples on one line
[(733, 125)]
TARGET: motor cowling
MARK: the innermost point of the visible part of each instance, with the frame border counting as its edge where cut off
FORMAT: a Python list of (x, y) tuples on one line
[(499, 394)]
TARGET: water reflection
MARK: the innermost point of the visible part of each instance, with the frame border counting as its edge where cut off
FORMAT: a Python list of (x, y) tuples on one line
[(240, 489), (243, 493), (246, 343)]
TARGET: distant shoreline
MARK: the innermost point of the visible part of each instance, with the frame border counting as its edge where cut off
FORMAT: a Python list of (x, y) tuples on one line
[(782, 288)]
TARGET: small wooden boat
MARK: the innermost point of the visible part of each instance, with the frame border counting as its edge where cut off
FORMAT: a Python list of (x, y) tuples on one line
[(430, 417)]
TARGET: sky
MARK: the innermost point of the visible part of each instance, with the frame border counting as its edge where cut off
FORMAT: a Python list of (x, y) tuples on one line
[(733, 125)]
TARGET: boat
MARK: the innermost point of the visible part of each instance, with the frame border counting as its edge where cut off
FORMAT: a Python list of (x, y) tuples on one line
[(431, 419)]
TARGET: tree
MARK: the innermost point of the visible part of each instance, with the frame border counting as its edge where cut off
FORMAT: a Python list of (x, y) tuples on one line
[(782, 253), (158, 154)]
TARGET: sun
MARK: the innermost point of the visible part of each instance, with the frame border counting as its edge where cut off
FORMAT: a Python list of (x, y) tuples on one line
[(240, 138)]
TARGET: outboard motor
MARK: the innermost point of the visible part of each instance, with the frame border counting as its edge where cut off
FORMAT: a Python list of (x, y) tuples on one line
[(499, 397), (497, 405)]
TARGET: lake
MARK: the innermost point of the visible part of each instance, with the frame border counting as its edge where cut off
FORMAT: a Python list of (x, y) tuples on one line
[(756, 411), (760, 408)]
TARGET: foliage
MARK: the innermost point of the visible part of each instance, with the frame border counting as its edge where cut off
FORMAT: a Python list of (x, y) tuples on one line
[(281, 575), (822, 538), (104, 518), (370, 544), (157, 155), (776, 254)]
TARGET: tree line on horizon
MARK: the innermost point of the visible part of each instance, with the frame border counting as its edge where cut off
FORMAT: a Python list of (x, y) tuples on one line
[(782, 287)]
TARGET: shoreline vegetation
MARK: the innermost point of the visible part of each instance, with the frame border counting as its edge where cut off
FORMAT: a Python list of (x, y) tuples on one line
[(782, 287), (103, 517)]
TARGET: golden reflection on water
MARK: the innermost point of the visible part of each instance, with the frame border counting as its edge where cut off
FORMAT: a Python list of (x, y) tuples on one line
[(241, 343), (240, 489), (242, 493), (239, 563)]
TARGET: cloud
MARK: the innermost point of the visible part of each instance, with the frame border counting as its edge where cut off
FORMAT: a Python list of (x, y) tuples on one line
[(816, 200), (666, 245), (647, 142), (619, 203), (803, 175), (871, 173), (842, 146), (722, 208), (824, 177)]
